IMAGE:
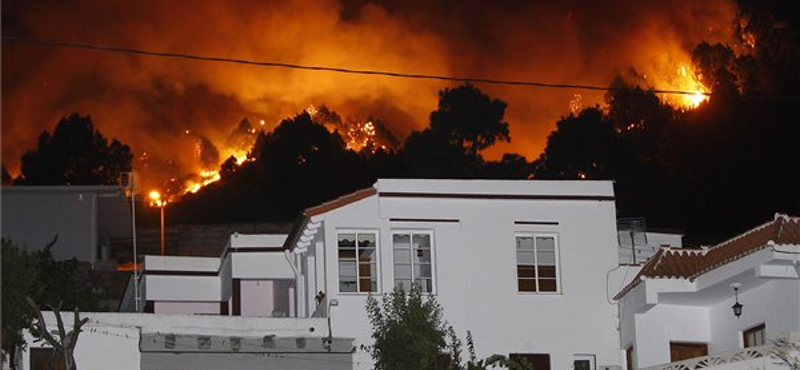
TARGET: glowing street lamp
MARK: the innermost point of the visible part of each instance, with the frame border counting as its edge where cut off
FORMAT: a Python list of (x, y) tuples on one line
[(155, 200)]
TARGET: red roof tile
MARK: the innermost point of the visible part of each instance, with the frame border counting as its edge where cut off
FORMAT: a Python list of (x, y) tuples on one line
[(678, 263)]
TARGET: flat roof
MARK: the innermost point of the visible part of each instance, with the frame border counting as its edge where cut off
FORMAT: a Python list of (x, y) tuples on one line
[(522, 188)]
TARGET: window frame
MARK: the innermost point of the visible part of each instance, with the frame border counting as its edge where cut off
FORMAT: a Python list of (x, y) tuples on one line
[(411, 232), (557, 263), (753, 330), (356, 233)]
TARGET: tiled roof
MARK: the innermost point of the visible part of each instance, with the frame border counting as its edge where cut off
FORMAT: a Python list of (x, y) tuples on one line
[(678, 263)]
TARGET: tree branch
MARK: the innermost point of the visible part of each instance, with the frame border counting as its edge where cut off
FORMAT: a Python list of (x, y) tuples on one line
[(41, 326)]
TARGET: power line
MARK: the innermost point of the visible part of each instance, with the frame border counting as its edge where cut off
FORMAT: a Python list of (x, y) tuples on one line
[(367, 72)]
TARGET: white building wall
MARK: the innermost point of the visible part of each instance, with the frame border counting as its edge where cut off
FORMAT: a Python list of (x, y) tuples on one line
[(186, 308), (257, 297), (664, 323), (774, 304), (476, 282)]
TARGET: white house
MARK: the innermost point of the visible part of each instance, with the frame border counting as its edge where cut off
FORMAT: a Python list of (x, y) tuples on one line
[(677, 313), (521, 264)]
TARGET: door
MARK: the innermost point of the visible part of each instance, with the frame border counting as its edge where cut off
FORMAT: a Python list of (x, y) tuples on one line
[(683, 351)]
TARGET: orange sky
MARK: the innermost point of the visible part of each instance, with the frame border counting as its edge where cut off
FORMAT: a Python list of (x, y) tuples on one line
[(149, 103)]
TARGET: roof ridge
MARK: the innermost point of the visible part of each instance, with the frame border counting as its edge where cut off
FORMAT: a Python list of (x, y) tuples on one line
[(744, 234)]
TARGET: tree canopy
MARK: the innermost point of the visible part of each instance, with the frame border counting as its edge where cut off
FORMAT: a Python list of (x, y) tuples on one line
[(37, 276), (409, 332), (75, 154)]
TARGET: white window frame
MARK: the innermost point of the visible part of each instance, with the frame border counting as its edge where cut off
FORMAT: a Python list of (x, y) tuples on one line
[(557, 262), (411, 233), (358, 291)]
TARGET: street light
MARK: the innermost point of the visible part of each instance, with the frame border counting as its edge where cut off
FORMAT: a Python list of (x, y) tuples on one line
[(155, 200)]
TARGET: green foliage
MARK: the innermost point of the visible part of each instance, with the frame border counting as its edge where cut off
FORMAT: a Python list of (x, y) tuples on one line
[(20, 279), (410, 333), (36, 275), (75, 154)]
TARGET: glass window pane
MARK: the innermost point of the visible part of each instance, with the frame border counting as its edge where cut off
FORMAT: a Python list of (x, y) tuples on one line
[(582, 365), (402, 256), (366, 255), (525, 258), (545, 244), (347, 240), (405, 283), (347, 254), (422, 241), (347, 285), (367, 285), (426, 285), (366, 241), (526, 285), (422, 256), (547, 285), (526, 271), (546, 258), (547, 272), (524, 242), (422, 271), (401, 241), (365, 270), (347, 270), (402, 272)]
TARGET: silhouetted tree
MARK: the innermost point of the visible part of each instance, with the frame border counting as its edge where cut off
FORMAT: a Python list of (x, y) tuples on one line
[(75, 154), (469, 119), (465, 122), (585, 147)]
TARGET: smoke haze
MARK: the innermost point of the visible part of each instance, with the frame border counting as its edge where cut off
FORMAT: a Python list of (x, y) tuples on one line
[(162, 106)]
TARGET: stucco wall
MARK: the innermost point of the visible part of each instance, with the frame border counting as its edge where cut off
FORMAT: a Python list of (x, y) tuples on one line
[(774, 304), (475, 276)]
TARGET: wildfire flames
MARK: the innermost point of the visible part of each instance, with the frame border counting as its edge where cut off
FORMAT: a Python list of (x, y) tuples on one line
[(137, 99), (687, 80)]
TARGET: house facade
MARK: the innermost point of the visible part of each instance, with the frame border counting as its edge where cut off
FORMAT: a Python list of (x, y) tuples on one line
[(522, 265), (678, 311)]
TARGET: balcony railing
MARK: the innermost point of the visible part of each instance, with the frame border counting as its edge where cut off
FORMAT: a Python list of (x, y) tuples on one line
[(719, 359)]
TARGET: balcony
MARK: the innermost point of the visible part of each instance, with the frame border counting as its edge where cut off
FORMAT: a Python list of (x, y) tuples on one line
[(743, 359)]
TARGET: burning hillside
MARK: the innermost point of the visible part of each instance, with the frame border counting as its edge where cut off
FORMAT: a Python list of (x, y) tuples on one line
[(176, 114)]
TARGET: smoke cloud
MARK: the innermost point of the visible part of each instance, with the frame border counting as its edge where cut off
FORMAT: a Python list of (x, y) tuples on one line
[(152, 103)]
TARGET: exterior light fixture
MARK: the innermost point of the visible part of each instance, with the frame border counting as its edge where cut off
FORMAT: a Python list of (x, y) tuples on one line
[(737, 307)]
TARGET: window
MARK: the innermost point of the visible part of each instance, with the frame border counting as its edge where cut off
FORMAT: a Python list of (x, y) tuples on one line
[(680, 351), (358, 262), (413, 259), (537, 263), (540, 361), (583, 362), (754, 336)]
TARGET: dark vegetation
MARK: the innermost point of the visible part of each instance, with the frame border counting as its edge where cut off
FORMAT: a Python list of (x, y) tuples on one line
[(712, 171)]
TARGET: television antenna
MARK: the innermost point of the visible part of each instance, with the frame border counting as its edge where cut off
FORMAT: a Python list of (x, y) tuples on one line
[(634, 230)]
